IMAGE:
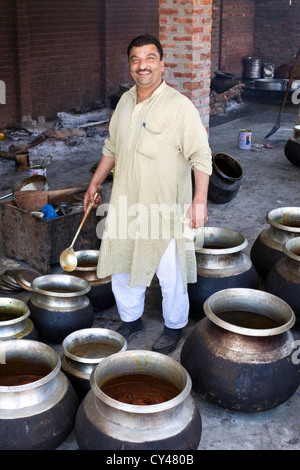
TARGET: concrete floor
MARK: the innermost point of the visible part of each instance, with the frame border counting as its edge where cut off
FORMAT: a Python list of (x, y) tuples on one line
[(269, 181)]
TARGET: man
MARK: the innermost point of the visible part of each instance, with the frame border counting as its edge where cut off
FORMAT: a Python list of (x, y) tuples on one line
[(156, 138)]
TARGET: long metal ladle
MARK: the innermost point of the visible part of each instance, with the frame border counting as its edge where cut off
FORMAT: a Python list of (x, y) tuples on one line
[(68, 258)]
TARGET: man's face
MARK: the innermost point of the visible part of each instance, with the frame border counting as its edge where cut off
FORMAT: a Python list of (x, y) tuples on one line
[(145, 66)]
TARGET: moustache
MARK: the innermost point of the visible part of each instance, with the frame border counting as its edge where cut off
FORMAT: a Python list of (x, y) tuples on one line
[(143, 70)]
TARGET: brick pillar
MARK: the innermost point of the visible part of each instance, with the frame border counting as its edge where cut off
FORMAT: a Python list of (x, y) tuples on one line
[(24, 94), (185, 34)]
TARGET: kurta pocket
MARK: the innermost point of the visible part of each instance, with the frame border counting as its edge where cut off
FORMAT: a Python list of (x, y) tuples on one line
[(149, 142)]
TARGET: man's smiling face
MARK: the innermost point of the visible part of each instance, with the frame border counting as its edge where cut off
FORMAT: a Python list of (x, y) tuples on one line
[(146, 67)]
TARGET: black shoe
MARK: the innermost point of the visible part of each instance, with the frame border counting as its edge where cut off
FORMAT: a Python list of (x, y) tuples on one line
[(168, 340), (129, 329)]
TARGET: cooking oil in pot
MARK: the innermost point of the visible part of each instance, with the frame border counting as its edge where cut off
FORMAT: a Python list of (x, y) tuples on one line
[(87, 264), (96, 350), (249, 319), (14, 320), (20, 372), (7, 314), (140, 389)]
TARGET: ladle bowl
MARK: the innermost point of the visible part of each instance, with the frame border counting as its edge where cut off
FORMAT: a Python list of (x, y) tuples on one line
[(68, 259)]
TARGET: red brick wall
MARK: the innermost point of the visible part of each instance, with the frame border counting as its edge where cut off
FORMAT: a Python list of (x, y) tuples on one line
[(185, 32), (125, 20), (60, 55), (56, 55), (7, 61), (269, 29), (233, 22), (215, 36), (50, 56), (277, 30), (65, 68)]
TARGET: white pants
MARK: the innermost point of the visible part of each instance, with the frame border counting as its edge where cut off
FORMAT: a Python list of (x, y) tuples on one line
[(175, 304)]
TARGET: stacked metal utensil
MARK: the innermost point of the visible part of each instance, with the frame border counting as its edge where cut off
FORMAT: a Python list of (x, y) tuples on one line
[(16, 280)]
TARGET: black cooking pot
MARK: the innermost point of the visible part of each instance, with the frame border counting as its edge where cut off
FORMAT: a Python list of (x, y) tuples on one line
[(283, 279), (226, 177), (59, 306), (292, 151)]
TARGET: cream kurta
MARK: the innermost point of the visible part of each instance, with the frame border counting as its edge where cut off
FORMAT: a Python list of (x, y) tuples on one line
[(155, 144)]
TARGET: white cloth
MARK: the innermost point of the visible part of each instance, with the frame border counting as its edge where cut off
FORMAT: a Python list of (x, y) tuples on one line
[(175, 304)]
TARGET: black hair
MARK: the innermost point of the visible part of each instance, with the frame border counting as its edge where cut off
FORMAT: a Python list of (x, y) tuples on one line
[(143, 40)]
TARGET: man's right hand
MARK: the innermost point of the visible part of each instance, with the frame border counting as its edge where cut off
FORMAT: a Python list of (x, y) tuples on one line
[(90, 196)]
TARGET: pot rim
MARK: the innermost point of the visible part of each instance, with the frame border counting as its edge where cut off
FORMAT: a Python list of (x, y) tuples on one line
[(65, 279), (86, 332), (235, 161), (140, 409), (23, 183), (87, 253), (6, 301), (280, 210), (253, 294), (289, 246), (25, 344), (223, 251)]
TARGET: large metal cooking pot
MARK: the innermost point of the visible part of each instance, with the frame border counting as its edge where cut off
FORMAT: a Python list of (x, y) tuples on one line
[(292, 150), (271, 84), (100, 295), (36, 182), (276, 84), (59, 306), (283, 279), (37, 402), (240, 356), (252, 67), (14, 320), (83, 350), (226, 178), (221, 264), (284, 224), (105, 423), (86, 268)]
